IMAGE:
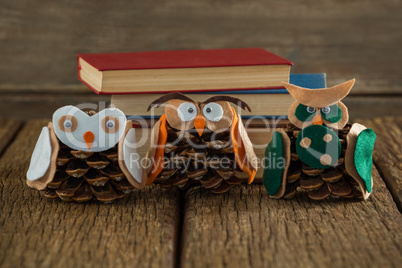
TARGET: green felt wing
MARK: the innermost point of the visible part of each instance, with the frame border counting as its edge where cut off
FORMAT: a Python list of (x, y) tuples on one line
[(273, 169), (363, 157)]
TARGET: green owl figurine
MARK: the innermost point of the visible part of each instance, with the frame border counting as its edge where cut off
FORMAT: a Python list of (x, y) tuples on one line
[(320, 154)]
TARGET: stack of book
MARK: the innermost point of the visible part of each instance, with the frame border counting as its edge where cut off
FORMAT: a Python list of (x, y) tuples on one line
[(253, 75)]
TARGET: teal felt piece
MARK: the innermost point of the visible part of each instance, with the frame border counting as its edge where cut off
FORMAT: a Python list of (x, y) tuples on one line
[(273, 164), (363, 156), (318, 146), (331, 113), (304, 113)]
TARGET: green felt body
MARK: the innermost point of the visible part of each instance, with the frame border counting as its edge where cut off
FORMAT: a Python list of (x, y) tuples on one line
[(311, 155), (363, 156), (273, 172)]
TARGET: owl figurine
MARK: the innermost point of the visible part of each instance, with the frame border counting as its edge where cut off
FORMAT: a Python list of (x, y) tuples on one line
[(200, 143), (320, 154), (80, 156)]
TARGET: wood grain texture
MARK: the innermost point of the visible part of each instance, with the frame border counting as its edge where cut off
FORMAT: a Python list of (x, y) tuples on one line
[(8, 130), (387, 154), (39, 40), (140, 230), (244, 228)]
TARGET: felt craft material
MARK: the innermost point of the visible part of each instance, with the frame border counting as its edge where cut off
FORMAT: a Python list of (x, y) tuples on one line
[(318, 146), (83, 132), (276, 164), (300, 116), (222, 119), (243, 148), (152, 147), (233, 100), (41, 156), (320, 97), (272, 177), (350, 161), (344, 118), (43, 160), (202, 142), (159, 152), (364, 155), (129, 160), (305, 113), (180, 114), (331, 113), (76, 169), (328, 156)]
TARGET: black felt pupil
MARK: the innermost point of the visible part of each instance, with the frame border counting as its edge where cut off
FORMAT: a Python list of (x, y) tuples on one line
[(209, 110), (190, 110)]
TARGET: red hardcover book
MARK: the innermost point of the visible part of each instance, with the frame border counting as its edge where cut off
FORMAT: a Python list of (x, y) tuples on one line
[(182, 70)]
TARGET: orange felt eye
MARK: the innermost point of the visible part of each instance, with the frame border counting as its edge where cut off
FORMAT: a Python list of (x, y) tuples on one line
[(68, 123), (110, 124)]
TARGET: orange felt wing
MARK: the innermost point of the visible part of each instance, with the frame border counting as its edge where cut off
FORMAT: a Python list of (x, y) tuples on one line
[(158, 151), (243, 148)]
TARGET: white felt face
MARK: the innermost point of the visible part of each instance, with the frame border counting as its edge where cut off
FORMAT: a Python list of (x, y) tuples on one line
[(95, 133)]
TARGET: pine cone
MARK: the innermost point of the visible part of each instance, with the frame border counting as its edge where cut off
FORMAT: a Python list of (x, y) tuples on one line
[(319, 183), (207, 160)]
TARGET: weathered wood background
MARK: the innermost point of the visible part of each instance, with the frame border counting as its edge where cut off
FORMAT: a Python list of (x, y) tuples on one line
[(154, 228)]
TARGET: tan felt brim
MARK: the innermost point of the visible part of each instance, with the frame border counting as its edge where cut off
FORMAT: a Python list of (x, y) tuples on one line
[(42, 182), (351, 139), (122, 165), (320, 97), (286, 155)]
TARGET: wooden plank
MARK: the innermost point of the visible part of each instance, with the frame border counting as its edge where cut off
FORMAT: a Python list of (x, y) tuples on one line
[(140, 230), (387, 152), (8, 130), (40, 40), (244, 228)]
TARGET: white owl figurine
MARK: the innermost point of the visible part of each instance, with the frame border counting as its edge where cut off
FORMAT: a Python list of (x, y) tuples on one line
[(81, 155)]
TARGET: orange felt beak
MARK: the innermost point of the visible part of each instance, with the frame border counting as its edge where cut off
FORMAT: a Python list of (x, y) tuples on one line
[(199, 123), (89, 138), (317, 119)]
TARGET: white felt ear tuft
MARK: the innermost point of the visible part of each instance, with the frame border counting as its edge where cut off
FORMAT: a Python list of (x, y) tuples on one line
[(41, 156)]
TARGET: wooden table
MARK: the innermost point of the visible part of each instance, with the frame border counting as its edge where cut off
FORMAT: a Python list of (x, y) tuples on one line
[(158, 228)]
